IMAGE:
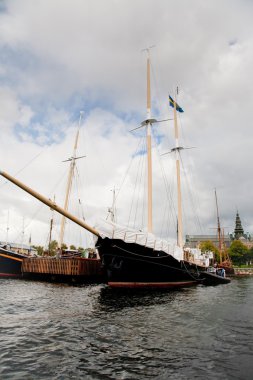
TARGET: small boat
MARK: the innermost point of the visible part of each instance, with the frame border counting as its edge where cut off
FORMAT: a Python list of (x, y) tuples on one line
[(10, 262), (214, 276)]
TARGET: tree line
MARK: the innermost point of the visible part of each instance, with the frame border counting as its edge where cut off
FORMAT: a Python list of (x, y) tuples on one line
[(238, 252), (52, 249)]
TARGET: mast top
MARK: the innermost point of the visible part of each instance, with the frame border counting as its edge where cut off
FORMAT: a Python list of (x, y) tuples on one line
[(148, 49)]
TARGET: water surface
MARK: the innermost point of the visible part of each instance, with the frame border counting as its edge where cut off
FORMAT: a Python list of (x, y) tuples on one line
[(51, 331)]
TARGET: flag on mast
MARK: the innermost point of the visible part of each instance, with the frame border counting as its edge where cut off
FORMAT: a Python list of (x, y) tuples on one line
[(173, 104)]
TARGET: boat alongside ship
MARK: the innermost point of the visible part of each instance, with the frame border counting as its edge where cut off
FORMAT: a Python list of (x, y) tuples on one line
[(68, 266), (70, 270), (214, 276), (67, 269)]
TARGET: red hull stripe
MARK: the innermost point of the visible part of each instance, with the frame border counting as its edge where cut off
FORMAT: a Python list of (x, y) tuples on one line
[(151, 284), (9, 275)]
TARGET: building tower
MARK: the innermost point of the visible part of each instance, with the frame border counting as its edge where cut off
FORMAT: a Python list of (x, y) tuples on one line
[(238, 232)]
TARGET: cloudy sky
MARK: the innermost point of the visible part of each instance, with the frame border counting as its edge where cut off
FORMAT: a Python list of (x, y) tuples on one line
[(60, 57)]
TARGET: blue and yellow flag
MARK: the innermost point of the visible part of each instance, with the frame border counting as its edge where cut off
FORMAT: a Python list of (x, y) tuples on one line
[(172, 103)]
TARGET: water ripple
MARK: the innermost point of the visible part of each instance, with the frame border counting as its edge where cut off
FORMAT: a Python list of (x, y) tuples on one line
[(93, 332)]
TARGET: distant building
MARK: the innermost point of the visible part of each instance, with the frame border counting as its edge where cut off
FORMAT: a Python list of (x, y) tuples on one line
[(239, 234), (20, 248), (239, 231), (193, 241)]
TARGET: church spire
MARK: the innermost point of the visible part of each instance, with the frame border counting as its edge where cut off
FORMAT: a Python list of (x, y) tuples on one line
[(238, 227)]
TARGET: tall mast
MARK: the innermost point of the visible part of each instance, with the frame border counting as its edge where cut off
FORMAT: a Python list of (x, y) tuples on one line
[(179, 195), (149, 156), (7, 228), (50, 236), (50, 231), (113, 209), (23, 234), (148, 124), (69, 182), (218, 226)]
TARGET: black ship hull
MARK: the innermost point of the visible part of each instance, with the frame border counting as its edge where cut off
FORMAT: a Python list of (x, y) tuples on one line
[(130, 265), (10, 263)]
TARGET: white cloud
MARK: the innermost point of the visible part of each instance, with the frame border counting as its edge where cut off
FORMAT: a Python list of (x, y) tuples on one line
[(12, 110)]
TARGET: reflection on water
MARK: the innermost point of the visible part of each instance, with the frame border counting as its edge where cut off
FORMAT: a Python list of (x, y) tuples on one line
[(116, 299), (94, 332)]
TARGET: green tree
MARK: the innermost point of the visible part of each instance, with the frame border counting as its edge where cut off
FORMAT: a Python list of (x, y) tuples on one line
[(249, 256), (53, 247), (238, 252), (39, 249), (72, 246), (209, 246)]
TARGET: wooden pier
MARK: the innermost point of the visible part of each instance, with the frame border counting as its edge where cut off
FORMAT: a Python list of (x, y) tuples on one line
[(69, 270), (243, 271)]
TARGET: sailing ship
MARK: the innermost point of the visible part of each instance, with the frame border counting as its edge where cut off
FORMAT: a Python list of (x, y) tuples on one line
[(134, 259), (68, 265), (224, 259)]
